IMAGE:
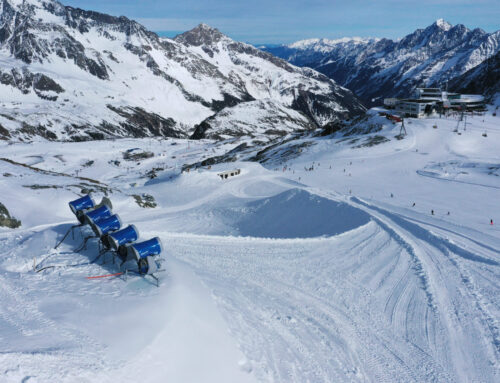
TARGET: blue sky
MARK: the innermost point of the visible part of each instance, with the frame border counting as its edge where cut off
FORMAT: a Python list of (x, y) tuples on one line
[(285, 21)]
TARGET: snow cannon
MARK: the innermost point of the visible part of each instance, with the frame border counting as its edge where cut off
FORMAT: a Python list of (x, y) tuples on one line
[(106, 225), (79, 207), (97, 214), (148, 266), (80, 214), (145, 249), (85, 203), (121, 237), (147, 256)]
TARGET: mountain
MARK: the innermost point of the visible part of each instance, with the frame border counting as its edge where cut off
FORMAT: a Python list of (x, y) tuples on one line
[(378, 68), (261, 120), (264, 76), (71, 74), (485, 78)]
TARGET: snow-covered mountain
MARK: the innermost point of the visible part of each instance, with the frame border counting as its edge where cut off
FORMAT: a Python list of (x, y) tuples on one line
[(485, 78), (377, 68), (264, 76), (71, 74), (261, 120)]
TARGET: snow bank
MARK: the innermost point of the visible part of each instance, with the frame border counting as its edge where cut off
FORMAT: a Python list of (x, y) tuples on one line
[(297, 213)]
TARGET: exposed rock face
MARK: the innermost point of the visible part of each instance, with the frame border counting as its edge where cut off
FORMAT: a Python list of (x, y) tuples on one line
[(44, 87), (378, 68), (264, 76), (483, 78), (71, 74), (144, 124), (261, 120), (6, 220)]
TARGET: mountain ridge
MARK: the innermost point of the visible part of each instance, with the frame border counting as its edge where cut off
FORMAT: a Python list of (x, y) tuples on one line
[(381, 67), (72, 74)]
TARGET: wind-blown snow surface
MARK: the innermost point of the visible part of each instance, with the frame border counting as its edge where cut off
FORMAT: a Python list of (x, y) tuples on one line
[(285, 276)]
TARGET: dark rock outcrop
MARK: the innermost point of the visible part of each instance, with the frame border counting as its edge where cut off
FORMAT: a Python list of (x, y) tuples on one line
[(6, 220)]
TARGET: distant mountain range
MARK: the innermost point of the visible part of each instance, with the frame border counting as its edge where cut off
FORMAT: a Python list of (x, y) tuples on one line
[(71, 74), (377, 68)]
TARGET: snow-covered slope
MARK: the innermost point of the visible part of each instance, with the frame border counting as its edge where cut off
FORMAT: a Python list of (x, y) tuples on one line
[(265, 76), (378, 68), (261, 120), (71, 74), (359, 260), (484, 78)]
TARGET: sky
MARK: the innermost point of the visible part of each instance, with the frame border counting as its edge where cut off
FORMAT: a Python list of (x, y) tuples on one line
[(286, 21)]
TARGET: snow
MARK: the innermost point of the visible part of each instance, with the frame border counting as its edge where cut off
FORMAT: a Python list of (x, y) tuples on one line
[(431, 56), (262, 120), (444, 25), (278, 274), (327, 45)]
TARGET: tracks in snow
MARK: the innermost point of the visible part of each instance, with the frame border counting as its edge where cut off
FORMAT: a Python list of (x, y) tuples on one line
[(389, 300), (447, 270)]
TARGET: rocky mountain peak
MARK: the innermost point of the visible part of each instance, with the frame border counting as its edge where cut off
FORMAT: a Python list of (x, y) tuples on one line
[(32, 7), (393, 68), (67, 59), (442, 24), (202, 34)]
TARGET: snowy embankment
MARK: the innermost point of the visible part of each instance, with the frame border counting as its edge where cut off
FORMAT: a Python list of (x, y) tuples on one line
[(337, 274)]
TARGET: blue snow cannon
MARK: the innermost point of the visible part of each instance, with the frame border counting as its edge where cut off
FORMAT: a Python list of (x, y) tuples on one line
[(145, 254), (80, 213), (144, 249), (96, 215), (106, 225), (84, 203), (148, 266), (122, 237)]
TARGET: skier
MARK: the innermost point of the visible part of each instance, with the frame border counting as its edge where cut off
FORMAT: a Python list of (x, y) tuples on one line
[(432, 212), (413, 204), (491, 222), (392, 195)]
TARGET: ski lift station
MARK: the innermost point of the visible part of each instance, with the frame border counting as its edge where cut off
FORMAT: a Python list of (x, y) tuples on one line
[(431, 100)]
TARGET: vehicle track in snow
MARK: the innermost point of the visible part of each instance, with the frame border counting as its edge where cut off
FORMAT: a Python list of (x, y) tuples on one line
[(297, 302), (464, 308), (317, 311), (32, 341)]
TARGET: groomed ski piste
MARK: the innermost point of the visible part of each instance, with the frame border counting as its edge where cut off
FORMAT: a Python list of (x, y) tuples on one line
[(337, 274)]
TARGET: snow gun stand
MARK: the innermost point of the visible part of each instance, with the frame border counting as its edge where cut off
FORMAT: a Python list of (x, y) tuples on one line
[(145, 256)]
